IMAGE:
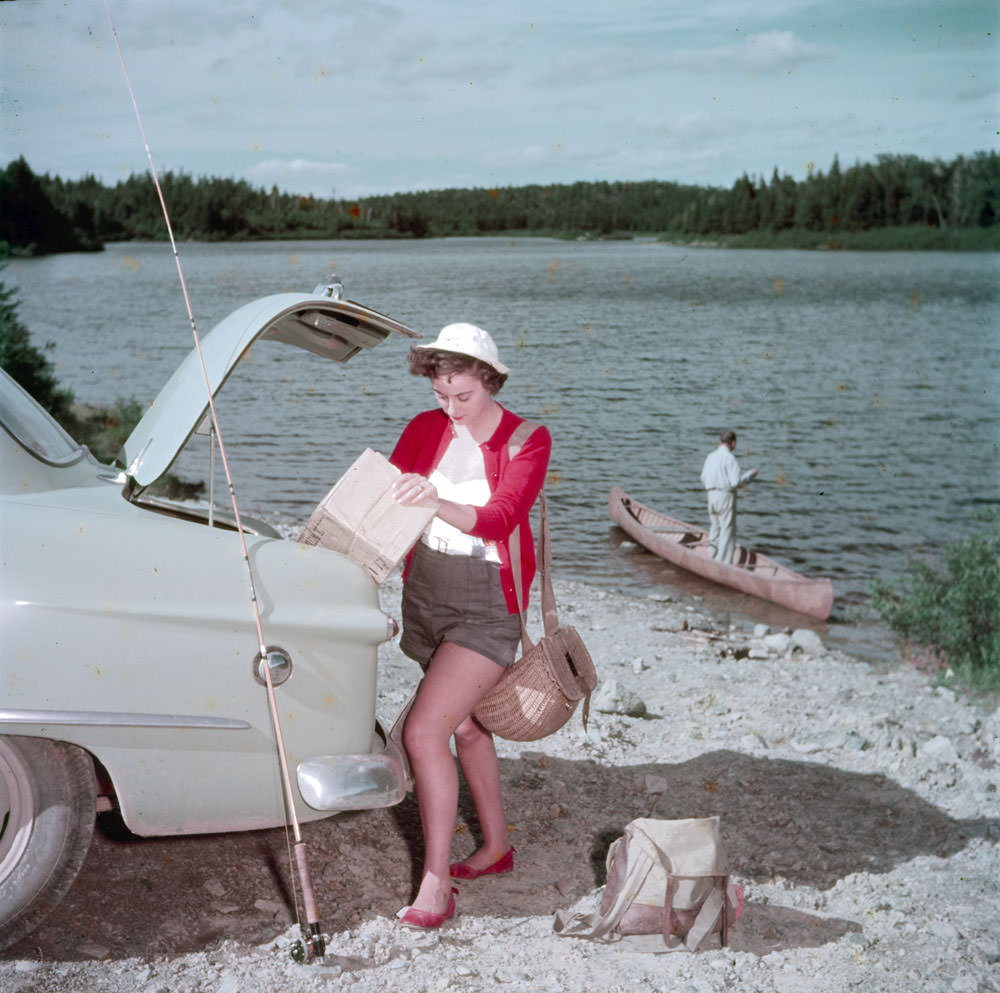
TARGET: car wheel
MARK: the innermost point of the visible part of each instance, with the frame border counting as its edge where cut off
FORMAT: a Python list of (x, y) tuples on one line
[(47, 809)]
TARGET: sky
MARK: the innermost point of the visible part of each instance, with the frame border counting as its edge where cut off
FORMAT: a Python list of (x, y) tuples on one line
[(350, 99)]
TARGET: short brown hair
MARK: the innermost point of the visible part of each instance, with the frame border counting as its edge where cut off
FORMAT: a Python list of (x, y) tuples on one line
[(432, 363)]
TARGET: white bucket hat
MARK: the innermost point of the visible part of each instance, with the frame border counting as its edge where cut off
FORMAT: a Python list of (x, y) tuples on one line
[(467, 339)]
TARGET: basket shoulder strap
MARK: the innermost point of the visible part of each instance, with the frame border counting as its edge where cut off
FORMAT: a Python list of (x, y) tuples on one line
[(515, 443), (550, 616), (514, 550), (520, 435)]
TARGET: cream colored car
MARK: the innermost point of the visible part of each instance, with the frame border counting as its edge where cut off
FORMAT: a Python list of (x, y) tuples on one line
[(129, 658)]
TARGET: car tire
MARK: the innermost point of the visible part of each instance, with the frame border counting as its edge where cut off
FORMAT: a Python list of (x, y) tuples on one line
[(48, 800)]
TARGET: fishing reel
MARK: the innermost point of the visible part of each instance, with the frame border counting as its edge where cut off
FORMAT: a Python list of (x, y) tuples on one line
[(310, 946)]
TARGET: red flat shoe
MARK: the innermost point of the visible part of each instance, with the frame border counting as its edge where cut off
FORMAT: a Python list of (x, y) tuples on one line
[(459, 870), (424, 920)]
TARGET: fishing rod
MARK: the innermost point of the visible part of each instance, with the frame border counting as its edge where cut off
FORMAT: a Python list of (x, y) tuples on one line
[(313, 941)]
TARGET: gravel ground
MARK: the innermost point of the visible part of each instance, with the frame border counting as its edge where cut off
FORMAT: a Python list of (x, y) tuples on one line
[(859, 805)]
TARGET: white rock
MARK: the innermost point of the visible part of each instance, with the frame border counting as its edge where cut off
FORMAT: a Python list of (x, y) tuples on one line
[(613, 698), (228, 983), (990, 733), (965, 984), (939, 749), (829, 741), (852, 739), (943, 929), (777, 642), (809, 641)]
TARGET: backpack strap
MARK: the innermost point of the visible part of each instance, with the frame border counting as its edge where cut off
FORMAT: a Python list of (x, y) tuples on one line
[(639, 863), (713, 910)]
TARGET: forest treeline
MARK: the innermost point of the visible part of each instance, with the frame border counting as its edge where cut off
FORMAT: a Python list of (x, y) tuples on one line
[(42, 214)]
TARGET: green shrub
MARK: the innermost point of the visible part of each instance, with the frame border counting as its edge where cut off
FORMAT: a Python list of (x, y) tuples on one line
[(950, 616), (104, 429), (25, 364)]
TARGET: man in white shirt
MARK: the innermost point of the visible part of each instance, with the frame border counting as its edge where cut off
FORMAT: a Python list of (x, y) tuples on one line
[(721, 476)]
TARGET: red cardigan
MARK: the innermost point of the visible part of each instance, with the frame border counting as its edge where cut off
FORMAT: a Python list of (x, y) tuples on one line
[(514, 484)]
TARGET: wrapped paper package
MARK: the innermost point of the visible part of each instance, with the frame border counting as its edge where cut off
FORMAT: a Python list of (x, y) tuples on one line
[(360, 518)]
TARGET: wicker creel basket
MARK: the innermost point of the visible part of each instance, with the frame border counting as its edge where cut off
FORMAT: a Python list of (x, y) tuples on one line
[(540, 692)]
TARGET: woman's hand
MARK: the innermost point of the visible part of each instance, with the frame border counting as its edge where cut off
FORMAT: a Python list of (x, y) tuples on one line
[(413, 490)]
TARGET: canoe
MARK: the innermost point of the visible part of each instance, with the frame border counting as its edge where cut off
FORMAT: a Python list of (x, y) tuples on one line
[(686, 545)]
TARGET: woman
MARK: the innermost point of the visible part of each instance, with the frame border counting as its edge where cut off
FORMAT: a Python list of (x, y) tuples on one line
[(460, 616)]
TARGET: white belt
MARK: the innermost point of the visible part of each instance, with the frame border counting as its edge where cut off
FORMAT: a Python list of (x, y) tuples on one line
[(468, 545)]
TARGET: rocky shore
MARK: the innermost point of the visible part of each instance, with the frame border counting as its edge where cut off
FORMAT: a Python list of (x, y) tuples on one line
[(859, 804)]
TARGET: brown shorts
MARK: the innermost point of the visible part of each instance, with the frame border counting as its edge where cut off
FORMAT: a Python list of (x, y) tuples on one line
[(459, 599)]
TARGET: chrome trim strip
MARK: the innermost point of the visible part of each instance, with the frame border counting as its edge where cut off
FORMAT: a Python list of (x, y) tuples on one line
[(98, 718)]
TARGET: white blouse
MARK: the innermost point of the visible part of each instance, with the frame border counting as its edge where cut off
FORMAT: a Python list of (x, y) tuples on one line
[(461, 478)]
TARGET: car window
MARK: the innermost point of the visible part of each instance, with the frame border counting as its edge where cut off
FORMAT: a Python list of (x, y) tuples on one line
[(32, 425)]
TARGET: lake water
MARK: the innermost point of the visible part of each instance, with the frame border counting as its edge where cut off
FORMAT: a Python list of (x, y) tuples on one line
[(864, 385)]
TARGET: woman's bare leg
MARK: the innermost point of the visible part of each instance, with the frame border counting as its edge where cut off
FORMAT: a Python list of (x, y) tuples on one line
[(478, 757), (456, 681)]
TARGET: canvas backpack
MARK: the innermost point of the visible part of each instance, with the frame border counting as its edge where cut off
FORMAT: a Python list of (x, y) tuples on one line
[(668, 887)]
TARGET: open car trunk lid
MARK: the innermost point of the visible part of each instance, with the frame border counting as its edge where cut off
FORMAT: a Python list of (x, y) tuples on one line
[(330, 327)]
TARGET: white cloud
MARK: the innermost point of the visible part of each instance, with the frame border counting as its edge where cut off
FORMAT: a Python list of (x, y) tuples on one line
[(300, 175), (769, 51)]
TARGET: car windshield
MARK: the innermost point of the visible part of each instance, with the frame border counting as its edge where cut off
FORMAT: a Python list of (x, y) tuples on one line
[(32, 426)]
